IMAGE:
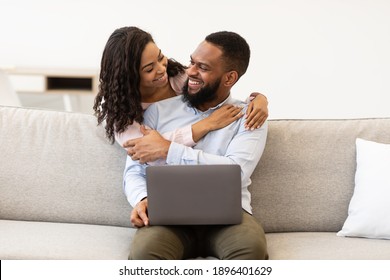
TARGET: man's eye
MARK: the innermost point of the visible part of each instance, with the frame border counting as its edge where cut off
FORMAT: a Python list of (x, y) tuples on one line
[(203, 68)]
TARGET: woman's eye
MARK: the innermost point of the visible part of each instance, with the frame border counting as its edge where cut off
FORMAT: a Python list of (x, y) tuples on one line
[(161, 58)]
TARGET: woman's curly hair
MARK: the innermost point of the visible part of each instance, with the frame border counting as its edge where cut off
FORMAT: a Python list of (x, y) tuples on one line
[(118, 101)]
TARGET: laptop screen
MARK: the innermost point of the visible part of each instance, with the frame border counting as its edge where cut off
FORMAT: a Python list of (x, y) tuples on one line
[(194, 194)]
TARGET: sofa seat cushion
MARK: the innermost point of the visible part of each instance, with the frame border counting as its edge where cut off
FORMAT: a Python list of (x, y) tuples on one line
[(40, 240), (325, 246)]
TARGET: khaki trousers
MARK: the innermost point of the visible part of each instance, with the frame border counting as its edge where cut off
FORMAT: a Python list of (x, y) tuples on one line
[(242, 241)]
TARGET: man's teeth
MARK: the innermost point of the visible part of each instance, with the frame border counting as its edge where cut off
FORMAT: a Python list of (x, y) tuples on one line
[(194, 82)]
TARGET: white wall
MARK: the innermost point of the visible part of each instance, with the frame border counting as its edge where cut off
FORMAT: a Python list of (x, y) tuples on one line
[(312, 58)]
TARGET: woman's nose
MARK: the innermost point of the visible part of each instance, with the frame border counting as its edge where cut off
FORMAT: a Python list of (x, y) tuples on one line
[(161, 68)]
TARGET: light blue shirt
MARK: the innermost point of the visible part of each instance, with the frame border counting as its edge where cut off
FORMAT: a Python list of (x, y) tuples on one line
[(232, 144)]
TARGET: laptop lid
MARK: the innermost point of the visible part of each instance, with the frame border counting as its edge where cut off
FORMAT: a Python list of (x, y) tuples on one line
[(194, 194)]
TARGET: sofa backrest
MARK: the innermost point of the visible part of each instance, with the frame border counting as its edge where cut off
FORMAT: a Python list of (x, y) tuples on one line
[(59, 167), (305, 178)]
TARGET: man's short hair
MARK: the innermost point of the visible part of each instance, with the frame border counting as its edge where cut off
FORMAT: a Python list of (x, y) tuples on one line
[(235, 49)]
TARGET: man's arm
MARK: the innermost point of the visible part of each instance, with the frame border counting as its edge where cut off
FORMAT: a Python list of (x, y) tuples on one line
[(134, 185)]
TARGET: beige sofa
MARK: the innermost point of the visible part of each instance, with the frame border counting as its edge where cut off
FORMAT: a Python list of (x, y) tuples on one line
[(61, 191)]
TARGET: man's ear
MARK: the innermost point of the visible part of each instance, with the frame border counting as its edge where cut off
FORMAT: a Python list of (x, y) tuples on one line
[(231, 78)]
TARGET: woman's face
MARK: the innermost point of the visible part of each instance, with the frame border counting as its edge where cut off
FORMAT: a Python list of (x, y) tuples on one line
[(153, 67)]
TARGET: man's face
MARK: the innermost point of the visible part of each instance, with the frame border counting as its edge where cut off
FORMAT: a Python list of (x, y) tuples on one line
[(206, 94), (204, 75)]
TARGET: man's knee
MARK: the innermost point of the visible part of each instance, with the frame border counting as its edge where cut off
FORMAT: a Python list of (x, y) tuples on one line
[(249, 249), (244, 241), (255, 241), (255, 249), (156, 243)]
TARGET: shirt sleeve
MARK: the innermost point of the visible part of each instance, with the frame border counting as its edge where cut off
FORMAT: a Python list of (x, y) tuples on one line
[(131, 132), (134, 183), (182, 136)]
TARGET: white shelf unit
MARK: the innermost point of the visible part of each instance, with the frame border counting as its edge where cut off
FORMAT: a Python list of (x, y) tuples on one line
[(54, 81)]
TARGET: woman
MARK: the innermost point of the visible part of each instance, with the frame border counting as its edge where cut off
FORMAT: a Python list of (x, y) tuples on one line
[(134, 73)]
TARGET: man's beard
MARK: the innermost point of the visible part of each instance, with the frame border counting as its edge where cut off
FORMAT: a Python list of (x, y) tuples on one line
[(205, 94)]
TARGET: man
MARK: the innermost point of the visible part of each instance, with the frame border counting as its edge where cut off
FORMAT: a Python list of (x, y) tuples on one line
[(216, 65)]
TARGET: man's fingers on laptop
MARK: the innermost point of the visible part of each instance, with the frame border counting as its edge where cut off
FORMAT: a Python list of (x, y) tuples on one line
[(144, 217), (139, 218), (135, 220), (142, 211)]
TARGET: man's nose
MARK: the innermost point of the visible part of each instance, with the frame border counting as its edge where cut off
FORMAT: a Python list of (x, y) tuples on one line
[(192, 70)]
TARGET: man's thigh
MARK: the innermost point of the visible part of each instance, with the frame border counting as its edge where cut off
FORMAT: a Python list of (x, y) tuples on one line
[(162, 242), (242, 241)]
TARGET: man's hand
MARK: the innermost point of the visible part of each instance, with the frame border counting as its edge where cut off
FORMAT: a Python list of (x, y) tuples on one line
[(139, 217), (150, 147)]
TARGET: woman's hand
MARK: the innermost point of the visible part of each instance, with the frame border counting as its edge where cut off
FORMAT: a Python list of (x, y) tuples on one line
[(257, 112), (224, 116), (220, 118)]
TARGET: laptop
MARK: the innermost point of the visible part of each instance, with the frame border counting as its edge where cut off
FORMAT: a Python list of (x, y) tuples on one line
[(194, 194)]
